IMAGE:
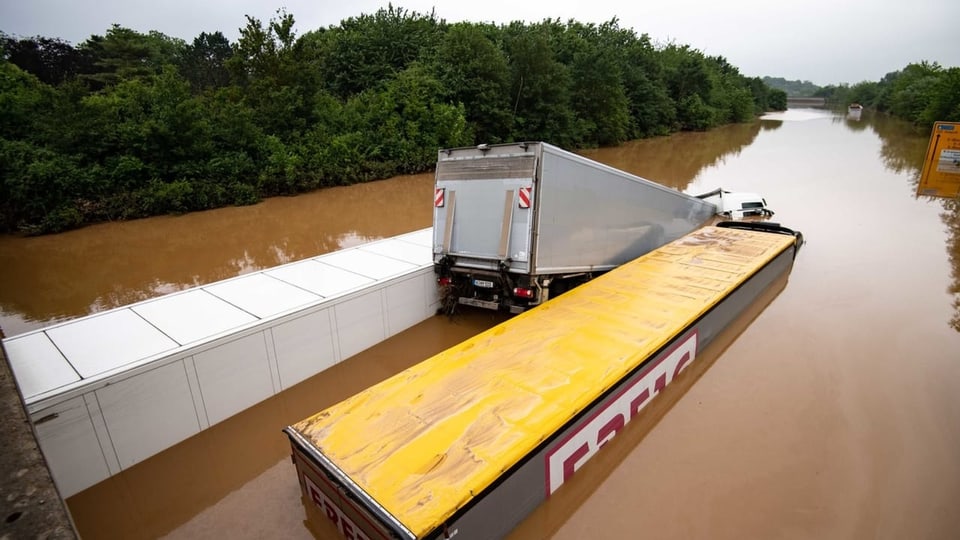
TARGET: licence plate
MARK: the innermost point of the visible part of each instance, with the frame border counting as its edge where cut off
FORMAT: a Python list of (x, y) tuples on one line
[(483, 283)]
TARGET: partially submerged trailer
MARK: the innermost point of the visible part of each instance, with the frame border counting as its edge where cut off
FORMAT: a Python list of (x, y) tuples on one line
[(470, 441), (515, 224)]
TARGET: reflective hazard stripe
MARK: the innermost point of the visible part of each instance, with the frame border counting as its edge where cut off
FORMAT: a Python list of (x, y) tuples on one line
[(525, 197)]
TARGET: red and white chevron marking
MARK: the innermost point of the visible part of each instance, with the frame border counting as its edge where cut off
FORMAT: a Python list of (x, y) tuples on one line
[(525, 197)]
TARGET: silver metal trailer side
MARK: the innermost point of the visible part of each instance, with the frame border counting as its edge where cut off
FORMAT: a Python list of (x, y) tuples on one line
[(517, 223)]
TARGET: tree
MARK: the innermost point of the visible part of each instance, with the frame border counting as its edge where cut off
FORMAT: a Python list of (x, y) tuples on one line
[(912, 89), (53, 61), (598, 95), (370, 49), (265, 66), (944, 104), (23, 100), (540, 87), (652, 110), (204, 62), (473, 71), (123, 53), (130, 124), (777, 100)]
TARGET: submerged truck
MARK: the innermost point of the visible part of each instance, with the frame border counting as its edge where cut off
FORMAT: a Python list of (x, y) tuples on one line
[(515, 224)]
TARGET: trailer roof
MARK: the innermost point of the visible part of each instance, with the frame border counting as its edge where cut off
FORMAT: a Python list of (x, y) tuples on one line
[(68, 356), (425, 441)]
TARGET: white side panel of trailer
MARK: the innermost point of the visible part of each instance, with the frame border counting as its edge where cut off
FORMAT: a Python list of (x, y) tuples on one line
[(433, 293), (407, 305), (367, 263), (234, 376), (192, 315), (262, 295), (109, 341), (70, 445), (416, 254), (39, 366), (359, 323), (591, 216), (112, 389), (148, 413), (320, 278), (304, 346)]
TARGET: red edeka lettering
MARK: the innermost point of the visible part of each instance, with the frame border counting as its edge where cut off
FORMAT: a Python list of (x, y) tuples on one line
[(609, 430), (683, 363), (569, 464), (347, 530), (322, 504), (580, 445), (660, 384), (637, 403)]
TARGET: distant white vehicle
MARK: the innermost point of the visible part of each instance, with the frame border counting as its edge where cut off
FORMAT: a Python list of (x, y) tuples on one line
[(737, 204)]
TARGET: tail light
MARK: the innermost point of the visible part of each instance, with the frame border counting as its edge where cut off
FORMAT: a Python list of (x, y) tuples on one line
[(523, 292)]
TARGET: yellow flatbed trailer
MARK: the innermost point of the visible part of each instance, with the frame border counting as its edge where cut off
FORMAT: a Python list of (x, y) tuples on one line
[(470, 441)]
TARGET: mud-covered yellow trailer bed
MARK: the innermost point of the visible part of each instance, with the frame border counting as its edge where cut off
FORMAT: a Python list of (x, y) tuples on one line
[(470, 441)]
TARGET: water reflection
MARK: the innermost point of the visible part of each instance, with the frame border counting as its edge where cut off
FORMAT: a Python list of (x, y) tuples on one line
[(676, 160), (902, 146), (902, 149), (951, 218), (866, 293), (770, 124), (51, 278), (58, 277), (854, 121)]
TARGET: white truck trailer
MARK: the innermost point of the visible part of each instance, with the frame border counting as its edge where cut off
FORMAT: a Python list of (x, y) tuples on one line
[(515, 224)]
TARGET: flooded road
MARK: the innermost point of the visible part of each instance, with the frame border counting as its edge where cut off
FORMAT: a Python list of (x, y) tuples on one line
[(52, 278), (833, 413)]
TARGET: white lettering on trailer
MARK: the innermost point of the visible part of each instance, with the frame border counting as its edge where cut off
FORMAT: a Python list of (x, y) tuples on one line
[(345, 525), (578, 447)]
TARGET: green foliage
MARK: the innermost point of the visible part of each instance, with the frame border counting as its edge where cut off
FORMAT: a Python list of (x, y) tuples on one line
[(204, 62), (792, 88), (694, 114), (364, 51), (777, 100), (944, 102), (540, 87), (22, 99), (472, 70), (921, 93), (53, 61), (123, 54), (133, 124)]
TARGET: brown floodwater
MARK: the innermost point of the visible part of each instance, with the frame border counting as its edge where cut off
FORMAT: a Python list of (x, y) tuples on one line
[(829, 410)]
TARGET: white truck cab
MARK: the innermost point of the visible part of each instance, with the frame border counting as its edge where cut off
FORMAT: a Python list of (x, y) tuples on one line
[(737, 204)]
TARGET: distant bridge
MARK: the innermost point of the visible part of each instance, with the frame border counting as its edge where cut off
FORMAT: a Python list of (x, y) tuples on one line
[(806, 101)]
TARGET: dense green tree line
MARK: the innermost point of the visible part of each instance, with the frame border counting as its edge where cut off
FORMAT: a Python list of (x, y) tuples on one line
[(792, 88), (922, 93), (129, 124)]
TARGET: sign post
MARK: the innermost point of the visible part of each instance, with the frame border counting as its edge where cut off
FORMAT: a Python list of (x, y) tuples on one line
[(940, 176)]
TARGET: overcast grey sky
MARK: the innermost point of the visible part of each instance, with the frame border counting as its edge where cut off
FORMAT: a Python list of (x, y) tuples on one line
[(823, 41)]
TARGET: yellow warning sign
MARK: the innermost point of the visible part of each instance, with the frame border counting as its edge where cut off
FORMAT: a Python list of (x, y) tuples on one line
[(940, 176)]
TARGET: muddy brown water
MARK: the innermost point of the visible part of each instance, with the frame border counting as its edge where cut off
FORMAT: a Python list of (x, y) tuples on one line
[(830, 411)]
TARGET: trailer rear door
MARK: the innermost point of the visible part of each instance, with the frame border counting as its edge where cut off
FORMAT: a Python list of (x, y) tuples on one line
[(483, 208)]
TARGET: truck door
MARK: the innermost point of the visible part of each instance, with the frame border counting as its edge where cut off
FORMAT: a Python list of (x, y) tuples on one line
[(483, 208)]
